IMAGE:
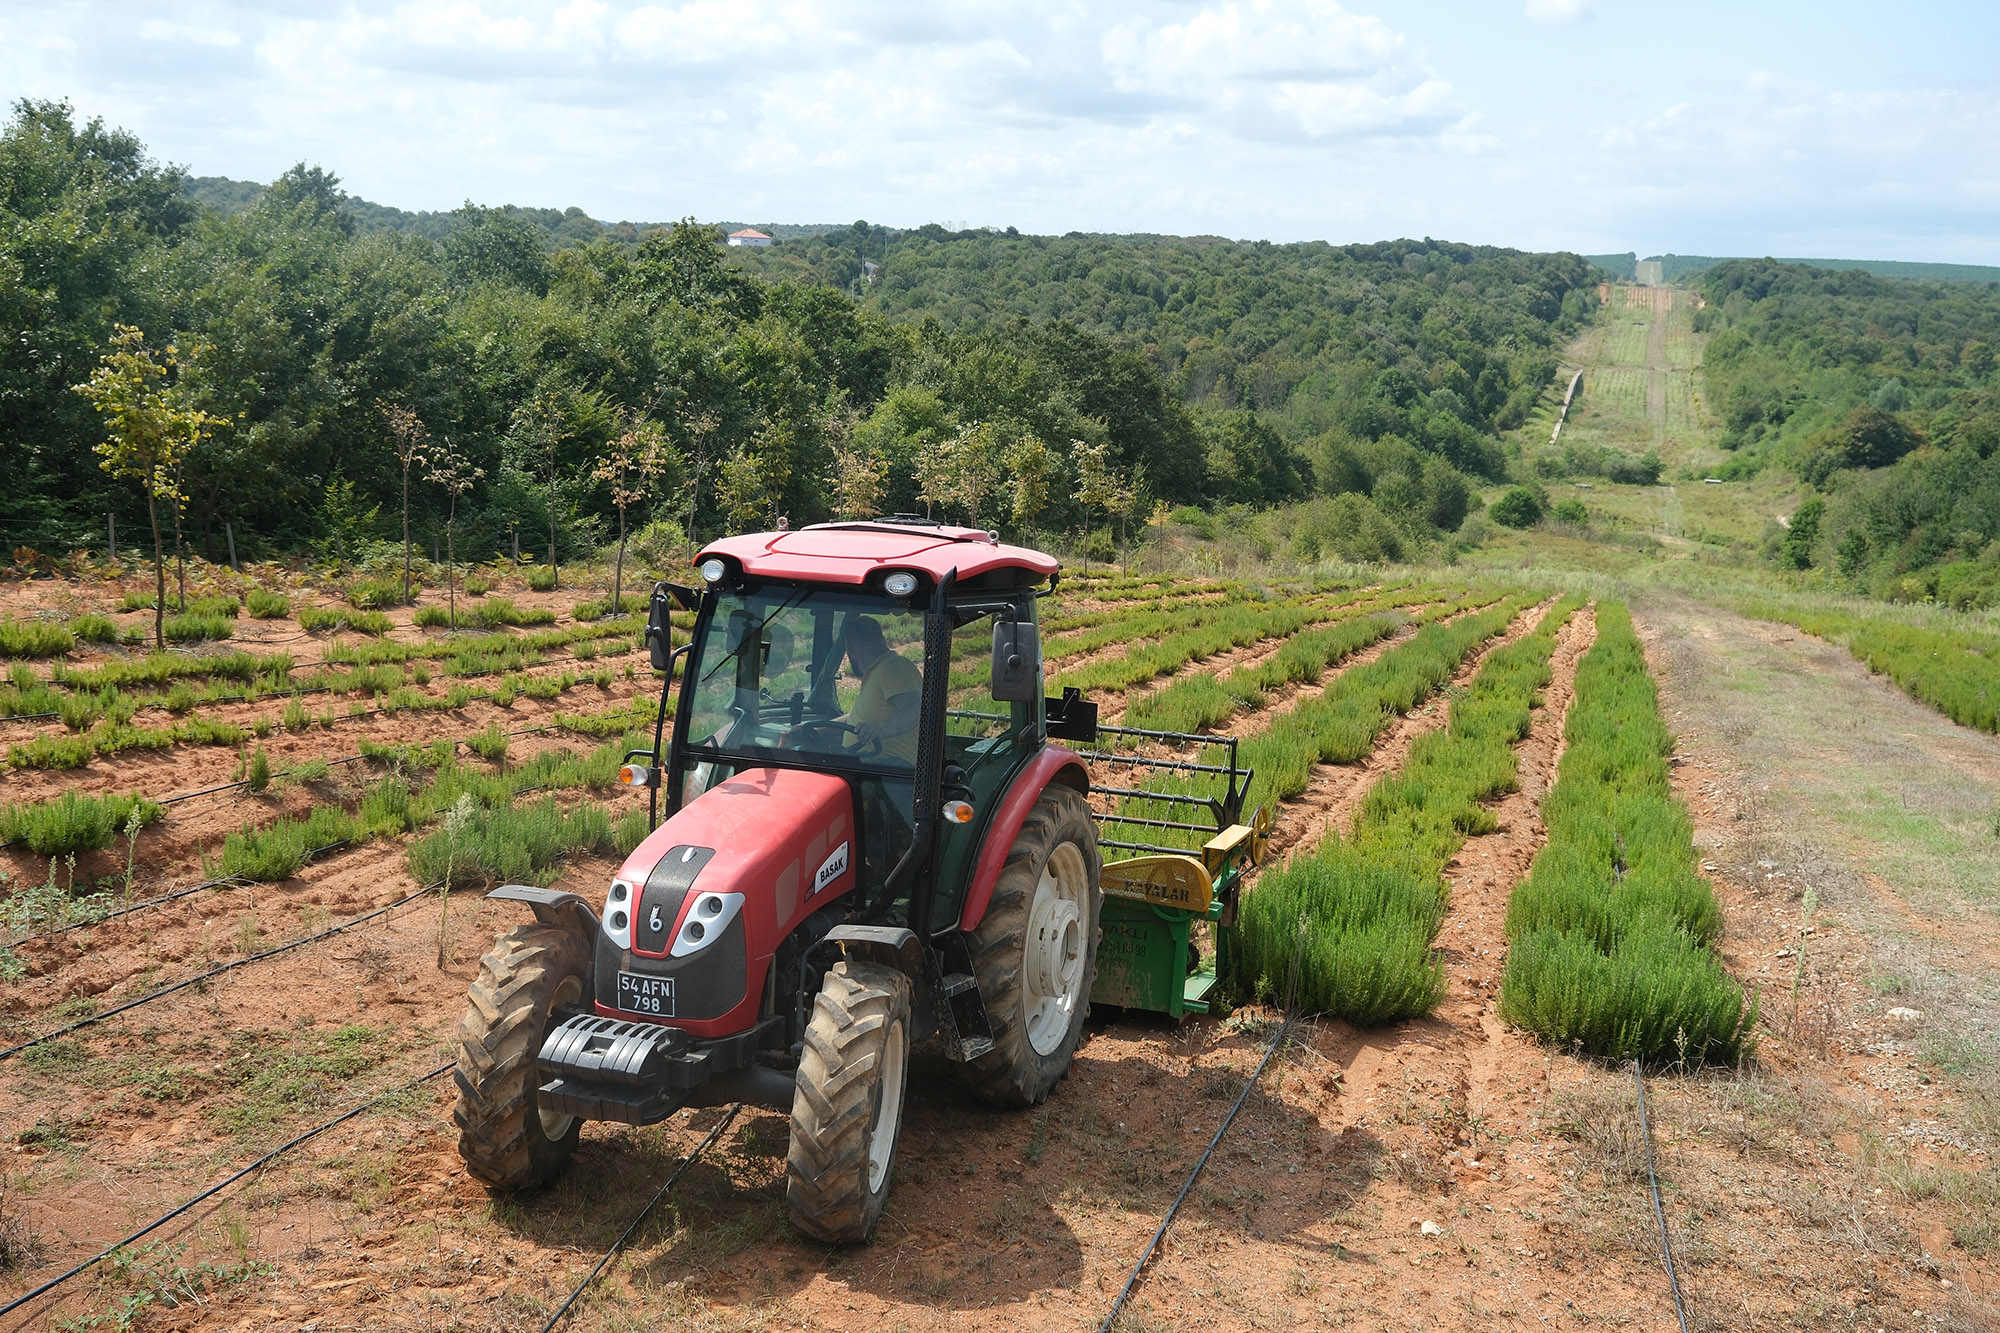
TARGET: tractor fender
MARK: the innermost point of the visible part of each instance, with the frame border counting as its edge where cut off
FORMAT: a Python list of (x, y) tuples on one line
[(553, 907), (1053, 765)]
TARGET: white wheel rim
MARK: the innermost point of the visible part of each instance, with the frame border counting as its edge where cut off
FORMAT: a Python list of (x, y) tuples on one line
[(888, 1111), (1052, 952)]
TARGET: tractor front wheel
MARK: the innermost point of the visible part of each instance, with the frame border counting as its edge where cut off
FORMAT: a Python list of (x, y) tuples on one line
[(848, 1105), (1034, 953), (505, 1138)]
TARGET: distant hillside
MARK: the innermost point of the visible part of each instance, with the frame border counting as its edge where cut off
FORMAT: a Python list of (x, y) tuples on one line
[(562, 226), (1676, 267), (1621, 267)]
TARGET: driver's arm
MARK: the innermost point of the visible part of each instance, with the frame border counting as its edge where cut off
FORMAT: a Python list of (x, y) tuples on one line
[(904, 711)]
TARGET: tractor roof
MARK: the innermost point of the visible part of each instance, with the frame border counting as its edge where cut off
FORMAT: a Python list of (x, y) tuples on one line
[(851, 552)]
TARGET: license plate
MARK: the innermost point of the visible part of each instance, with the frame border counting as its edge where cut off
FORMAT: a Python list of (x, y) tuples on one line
[(641, 994)]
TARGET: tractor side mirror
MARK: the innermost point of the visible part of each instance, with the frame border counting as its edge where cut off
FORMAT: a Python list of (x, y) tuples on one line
[(659, 641), (1017, 662)]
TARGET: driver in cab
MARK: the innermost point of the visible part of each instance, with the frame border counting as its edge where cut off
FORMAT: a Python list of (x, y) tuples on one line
[(891, 695)]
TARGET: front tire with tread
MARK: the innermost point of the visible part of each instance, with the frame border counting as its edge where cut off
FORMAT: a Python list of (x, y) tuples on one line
[(503, 1135), (847, 1109)]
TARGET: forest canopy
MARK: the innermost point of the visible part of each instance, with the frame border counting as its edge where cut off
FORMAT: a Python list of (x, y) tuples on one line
[(1880, 394), (1034, 384)]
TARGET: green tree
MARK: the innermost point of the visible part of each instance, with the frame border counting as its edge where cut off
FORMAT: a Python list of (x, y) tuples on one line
[(151, 425), (1795, 548), (1520, 507)]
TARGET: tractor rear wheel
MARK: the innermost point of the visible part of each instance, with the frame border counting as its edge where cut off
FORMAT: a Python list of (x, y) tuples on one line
[(848, 1106), (1034, 953), (505, 1138)]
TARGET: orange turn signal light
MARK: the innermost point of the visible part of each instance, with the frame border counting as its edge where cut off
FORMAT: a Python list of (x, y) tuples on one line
[(636, 775), (959, 812)]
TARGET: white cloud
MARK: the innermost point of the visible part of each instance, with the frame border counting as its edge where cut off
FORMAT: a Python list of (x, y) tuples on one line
[(1281, 118), (1558, 11), (1309, 67)]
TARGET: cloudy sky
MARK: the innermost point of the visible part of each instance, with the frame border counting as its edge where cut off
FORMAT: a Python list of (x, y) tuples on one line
[(1751, 127)]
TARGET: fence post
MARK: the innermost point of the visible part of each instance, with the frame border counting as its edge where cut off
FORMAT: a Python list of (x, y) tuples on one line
[(111, 536), (517, 542), (229, 529)]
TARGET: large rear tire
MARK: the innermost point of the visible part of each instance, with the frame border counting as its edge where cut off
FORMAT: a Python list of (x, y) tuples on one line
[(504, 1137), (1034, 953), (847, 1111)]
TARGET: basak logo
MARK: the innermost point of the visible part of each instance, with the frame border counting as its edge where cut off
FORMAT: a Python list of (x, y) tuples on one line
[(831, 869)]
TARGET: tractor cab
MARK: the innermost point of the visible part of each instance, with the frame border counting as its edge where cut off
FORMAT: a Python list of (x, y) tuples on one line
[(865, 837)]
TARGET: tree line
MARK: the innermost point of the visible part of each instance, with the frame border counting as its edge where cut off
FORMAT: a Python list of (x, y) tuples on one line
[(515, 378), (1880, 394)]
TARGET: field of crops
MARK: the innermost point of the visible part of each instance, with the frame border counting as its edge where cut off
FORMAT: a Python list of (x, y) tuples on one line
[(242, 888)]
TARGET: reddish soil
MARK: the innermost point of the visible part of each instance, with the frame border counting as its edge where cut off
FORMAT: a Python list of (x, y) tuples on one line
[(1311, 1213)]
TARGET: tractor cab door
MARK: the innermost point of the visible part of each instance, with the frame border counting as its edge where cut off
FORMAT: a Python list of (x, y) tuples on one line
[(987, 740)]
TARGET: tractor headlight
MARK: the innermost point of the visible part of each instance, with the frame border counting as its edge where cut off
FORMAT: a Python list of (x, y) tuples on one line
[(705, 921), (900, 584), (713, 570)]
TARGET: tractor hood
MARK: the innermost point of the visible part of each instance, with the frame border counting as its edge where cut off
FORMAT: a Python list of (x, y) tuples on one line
[(704, 901)]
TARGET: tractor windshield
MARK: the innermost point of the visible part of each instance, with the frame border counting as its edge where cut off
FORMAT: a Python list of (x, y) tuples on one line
[(809, 670)]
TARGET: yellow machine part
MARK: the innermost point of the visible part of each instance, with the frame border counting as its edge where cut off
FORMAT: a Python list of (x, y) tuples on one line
[(1162, 880)]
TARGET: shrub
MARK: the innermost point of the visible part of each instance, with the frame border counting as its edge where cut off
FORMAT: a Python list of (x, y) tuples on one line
[(1570, 511), (541, 578), (490, 744), (477, 585), (1520, 507), (314, 619), (510, 845), (1608, 935), (495, 612), (633, 827), (432, 617), (34, 638), (282, 849), (265, 605), (136, 601), (94, 629), (630, 604), (221, 604), (197, 627), (374, 594), (73, 822)]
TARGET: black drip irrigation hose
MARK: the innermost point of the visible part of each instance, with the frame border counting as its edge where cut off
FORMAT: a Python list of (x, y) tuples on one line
[(562, 1311), (140, 906), (1160, 1232), (216, 1189), (198, 978), (1653, 1181)]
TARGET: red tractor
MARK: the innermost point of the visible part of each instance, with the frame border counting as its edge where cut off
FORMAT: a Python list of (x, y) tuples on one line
[(869, 841)]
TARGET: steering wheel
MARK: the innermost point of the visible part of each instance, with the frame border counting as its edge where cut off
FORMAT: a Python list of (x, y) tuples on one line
[(833, 724)]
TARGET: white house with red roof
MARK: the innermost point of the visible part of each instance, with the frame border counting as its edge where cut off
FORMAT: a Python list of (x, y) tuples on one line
[(749, 236)]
